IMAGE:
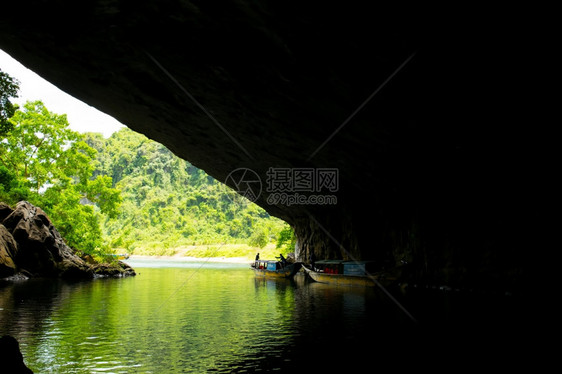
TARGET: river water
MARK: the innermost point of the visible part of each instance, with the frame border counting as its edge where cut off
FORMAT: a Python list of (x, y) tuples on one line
[(179, 316)]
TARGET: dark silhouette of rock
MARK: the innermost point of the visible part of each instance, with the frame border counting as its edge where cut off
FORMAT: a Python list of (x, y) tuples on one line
[(11, 358), (42, 251), (121, 269), (30, 244), (416, 113), (5, 211)]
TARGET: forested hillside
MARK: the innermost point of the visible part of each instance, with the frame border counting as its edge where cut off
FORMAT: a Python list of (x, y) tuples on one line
[(168, 203)]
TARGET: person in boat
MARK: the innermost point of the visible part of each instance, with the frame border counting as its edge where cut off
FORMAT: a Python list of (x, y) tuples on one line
[(312, 260), (256, 264), (282, 259)]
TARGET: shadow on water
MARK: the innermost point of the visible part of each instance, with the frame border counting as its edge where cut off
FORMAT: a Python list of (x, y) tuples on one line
[(25, 305), (348, 328)]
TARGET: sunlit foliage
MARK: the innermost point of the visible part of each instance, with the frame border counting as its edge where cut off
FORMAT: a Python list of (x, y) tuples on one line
[(169, 203), (45, 162)]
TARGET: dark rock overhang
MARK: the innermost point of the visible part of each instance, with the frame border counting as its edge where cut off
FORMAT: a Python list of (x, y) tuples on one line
[(405, 107)]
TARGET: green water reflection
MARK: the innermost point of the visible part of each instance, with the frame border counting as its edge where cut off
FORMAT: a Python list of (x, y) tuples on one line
[(163, 320), (177, 317)]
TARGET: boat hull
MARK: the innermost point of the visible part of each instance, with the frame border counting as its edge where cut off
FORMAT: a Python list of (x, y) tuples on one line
[(287, 272), (342, 280), (272, 273)]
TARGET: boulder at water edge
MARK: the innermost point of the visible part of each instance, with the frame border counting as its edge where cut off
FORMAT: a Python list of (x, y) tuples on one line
[(31, 245)]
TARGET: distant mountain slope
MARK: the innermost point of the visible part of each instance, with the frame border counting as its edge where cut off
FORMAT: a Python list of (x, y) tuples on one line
[(167, 202)]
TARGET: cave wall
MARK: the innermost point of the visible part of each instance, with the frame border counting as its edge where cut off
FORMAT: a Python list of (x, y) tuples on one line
[(405, 104)]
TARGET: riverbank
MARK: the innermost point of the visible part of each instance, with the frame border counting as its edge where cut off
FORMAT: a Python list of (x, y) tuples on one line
[(234, 253), (233, 260)]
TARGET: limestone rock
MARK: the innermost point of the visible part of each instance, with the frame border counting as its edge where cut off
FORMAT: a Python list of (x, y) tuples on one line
[(5, 211), (8, 248), (39, 249), (105, 270), (30, 244)]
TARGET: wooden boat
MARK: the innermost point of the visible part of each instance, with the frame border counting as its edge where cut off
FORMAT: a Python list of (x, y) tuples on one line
[(275, 269), (343, 273), (120, 256)]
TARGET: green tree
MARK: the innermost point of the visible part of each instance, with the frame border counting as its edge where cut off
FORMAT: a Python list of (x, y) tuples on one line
[(286, 239), (9, 88), (12, 190), (78, 223), (35, 144), (43, 155), (259, 238), (169, 202)]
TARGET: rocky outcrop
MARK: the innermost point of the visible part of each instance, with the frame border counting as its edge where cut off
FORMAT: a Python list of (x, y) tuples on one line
[(8, 250), (32, 246), (11, 358)]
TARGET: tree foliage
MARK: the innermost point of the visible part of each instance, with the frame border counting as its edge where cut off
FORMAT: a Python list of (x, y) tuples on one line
[(47, 163), (286, 239), (9, 88), (36, 143), (168, 202)]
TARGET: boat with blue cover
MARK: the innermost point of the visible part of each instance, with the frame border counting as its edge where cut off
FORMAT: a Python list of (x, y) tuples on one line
[(275, 269)]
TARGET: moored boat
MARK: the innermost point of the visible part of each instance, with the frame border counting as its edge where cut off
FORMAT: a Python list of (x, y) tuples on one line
[(275, 269), (120, 256), (344, 273)]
